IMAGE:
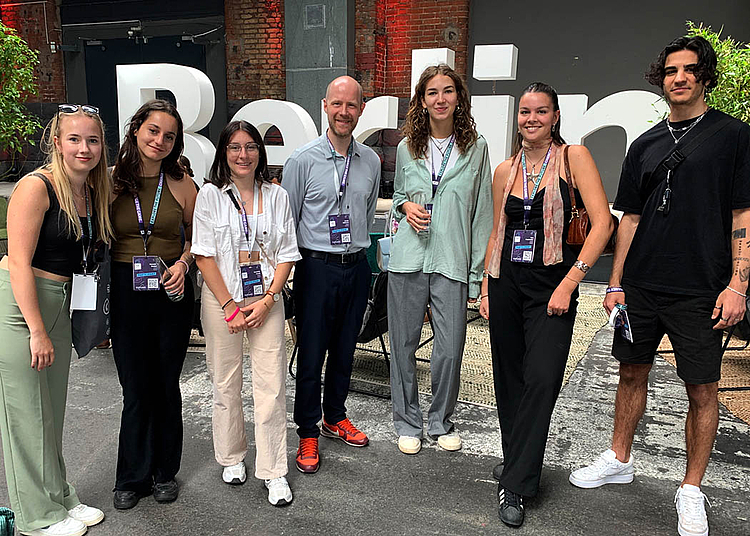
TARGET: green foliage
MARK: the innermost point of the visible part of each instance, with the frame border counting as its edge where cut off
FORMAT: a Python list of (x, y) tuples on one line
[(17, 62), (732, 93)]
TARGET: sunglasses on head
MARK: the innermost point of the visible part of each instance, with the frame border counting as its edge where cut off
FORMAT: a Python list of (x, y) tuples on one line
[(73, 108)]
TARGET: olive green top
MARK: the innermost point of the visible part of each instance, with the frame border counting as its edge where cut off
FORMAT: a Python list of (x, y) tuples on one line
[(165, 239)]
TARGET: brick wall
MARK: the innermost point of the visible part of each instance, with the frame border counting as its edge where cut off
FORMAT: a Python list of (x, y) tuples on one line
[(29, 21), (388, 30), (255, 49)]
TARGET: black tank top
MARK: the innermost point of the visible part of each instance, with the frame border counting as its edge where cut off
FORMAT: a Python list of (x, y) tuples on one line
[(56, 251)]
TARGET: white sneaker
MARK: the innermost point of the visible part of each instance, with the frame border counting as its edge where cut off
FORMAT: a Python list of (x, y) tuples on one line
[(451, 441), (235, 474), (409, 444), (66, 527), (279, 492), (691, 512), (88, 515), (607, 469)]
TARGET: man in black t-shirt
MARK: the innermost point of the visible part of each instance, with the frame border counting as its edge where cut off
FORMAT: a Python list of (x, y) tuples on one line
[(682, 262)]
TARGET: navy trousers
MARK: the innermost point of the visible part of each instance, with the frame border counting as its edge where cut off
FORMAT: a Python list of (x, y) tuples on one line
[(330, 301)]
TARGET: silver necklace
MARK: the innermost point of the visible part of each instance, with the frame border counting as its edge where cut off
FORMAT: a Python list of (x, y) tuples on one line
[(687, 128), (441, 145)]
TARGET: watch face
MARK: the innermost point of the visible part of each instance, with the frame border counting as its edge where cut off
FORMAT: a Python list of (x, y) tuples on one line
[(276, 297)]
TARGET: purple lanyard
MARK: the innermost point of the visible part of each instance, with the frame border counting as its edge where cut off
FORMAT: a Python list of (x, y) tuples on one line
[(526, 199), (341, 185), (436, 179), (243, 218), (146, 233)]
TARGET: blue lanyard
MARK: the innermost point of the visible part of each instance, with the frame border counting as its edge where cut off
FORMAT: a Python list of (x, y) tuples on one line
[(145, 234), (446, 157), (526, 198), (341, 184)]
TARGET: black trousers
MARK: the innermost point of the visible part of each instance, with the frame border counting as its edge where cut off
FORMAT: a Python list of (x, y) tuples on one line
[(330, 301), (150, 336), (529, 353)]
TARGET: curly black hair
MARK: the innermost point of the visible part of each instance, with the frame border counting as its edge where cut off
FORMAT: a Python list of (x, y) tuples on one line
[(705, 71)]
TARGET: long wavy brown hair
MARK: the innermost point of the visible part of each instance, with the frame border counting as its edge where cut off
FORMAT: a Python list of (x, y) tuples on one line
[(417, 125), (128, 170)]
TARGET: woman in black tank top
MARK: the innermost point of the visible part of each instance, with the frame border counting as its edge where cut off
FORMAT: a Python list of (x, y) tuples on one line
[(531, 285), (54, 214)]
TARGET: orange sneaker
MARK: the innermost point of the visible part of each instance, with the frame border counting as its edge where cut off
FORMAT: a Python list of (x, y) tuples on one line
[(308, 460), (345, 431)]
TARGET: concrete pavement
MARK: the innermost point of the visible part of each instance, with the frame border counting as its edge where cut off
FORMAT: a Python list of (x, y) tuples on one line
[(378, 490)]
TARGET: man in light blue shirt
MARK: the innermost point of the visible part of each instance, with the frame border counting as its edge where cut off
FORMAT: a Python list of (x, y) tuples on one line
[(333, 184)]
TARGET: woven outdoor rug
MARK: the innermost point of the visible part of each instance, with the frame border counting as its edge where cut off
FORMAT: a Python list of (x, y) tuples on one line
[(735, 374), (476, 369)]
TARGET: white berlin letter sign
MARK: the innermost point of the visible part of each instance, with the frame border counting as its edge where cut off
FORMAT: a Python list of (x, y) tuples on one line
[(633, 111)]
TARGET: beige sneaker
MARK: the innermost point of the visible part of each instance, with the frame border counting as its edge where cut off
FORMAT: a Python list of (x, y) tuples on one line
[(409, 444), (451, 441)]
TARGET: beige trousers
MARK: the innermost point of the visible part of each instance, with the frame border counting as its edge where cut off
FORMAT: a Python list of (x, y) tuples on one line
[(268, 361)]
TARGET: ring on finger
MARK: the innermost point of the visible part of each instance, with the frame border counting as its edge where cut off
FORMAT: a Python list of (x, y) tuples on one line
[(724, 319), (717, 307)]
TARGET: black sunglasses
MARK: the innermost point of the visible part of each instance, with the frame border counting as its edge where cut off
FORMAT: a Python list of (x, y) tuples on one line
[(73, 108)]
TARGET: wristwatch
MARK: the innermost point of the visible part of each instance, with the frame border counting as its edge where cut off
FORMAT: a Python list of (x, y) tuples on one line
[(274, 295)]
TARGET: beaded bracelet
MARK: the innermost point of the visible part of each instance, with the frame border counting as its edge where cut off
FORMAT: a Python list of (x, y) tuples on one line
[(231, 317), (614, 289), (737, 291)]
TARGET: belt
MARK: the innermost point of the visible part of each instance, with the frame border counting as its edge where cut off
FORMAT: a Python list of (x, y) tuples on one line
[(334, 258)]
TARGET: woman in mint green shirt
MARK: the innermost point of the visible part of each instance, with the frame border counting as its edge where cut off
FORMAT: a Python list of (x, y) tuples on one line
[(443, 204)]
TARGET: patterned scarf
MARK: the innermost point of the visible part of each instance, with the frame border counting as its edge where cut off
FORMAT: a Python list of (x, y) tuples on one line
[(553, 212)]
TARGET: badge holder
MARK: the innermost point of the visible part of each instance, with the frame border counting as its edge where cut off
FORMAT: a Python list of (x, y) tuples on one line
[(339, 229), (619, 319), (524, 243), (147, 273), (83, 293)]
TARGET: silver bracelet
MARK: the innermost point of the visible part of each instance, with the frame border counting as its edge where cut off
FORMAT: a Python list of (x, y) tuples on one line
[(582, 266), (737, 292)]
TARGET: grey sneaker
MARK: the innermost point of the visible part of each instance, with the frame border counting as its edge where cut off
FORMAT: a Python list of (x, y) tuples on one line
[(510, 510), (607, 469)]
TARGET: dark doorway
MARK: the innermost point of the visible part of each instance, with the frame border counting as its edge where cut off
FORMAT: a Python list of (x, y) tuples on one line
[(101, 77)]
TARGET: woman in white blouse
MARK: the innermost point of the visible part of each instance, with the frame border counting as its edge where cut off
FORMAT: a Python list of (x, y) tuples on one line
[(245, 246)]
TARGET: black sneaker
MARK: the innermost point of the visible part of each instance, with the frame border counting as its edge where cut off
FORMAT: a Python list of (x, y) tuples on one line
[(511, 507), (166, 492)]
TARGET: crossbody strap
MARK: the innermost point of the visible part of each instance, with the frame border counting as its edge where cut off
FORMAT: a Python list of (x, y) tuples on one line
[(675, 157)]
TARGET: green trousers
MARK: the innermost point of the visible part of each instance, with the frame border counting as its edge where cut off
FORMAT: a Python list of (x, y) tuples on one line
[(32, 408)]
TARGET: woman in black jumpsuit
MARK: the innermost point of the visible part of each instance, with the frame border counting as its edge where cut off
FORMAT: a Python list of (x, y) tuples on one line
[(531, 281)]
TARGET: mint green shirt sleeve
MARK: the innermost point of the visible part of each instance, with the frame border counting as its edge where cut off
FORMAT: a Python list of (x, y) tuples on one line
[(461, 217)]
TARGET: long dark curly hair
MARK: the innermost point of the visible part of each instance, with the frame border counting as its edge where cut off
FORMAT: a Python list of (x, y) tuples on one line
[(705, 72), (417, 125), (128, 166), (220, 174)]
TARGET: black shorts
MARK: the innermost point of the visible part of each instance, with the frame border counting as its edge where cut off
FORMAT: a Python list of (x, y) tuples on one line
[(688, 323)]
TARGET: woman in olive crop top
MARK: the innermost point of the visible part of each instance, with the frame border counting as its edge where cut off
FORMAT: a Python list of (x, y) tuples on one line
[(151, 319), (55, 214)]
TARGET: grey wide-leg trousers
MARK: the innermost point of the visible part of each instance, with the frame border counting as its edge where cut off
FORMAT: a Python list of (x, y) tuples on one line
[(408, 296)]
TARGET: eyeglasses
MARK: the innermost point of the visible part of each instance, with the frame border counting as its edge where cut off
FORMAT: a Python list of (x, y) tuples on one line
[(236, 148), (73, 108)]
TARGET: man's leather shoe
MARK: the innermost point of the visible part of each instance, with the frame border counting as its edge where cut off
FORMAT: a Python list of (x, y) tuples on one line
[(166, 492), (125, 500)]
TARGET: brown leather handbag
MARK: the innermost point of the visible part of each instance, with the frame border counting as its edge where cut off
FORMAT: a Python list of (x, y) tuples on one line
[(580, 225)]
